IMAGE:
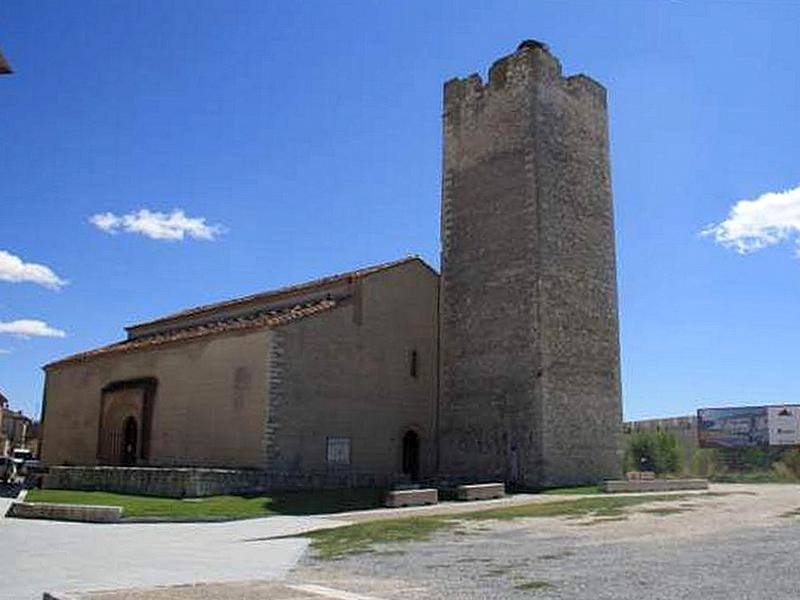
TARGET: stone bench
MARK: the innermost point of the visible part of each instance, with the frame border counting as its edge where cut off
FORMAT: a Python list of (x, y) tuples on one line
[(655, 485), (398, 498), (481, 491), (65, 512), (411, 497)]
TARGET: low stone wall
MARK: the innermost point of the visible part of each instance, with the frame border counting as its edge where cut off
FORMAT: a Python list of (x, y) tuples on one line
[(654, 485), (65, 512), (190, 482)]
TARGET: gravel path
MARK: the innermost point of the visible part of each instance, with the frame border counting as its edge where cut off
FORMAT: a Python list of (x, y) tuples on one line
[(735, 545)]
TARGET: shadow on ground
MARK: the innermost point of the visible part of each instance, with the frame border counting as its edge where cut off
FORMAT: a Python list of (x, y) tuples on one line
[(324, 502)]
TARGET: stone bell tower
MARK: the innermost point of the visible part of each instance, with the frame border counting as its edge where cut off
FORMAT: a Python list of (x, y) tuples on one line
[(530, 383)]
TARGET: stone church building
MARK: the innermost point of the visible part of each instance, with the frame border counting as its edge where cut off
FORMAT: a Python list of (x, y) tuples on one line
[(504, 367), (335, 375)]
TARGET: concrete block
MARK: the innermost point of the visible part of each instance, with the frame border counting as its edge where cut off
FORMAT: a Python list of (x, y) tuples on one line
[(481, 491), (640, 475), (65, 512), (398, 498), (656, 485)]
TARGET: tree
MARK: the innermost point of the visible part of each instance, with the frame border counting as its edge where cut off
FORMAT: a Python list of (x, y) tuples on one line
[(658, 451)]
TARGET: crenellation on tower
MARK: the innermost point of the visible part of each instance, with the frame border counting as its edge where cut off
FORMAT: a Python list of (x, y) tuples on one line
[(581, 84), (532, 61)]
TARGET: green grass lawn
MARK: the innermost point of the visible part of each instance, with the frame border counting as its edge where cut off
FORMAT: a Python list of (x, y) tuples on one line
[(220, 507), (362, 537), (602, 506)]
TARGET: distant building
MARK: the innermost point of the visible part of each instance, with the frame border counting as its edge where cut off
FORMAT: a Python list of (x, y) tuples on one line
[(32, 437), (14, 428), (729, 428)]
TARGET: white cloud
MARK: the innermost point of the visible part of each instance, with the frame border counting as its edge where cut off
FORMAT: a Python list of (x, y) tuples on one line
[(751, 225), (157, 225), (14, 269), (30, 328), (4, 351)]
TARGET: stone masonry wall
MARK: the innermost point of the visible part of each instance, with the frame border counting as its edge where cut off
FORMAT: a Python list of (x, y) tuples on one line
[(530, 389), (346, 373), (209, 406)]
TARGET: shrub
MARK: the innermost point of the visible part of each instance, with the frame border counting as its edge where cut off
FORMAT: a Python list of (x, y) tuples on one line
[(705, 462), (747, 465), (781, 472), (788, 467), (658, 451), (754, 459)]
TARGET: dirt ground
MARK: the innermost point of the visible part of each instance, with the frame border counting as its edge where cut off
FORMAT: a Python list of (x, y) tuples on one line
[(739, 541)]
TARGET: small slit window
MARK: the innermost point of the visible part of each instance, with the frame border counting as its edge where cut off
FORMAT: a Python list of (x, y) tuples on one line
[(338, 451), (413, 364)]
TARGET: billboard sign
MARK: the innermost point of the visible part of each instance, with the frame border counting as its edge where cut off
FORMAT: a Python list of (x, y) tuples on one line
[(748, 426), (784, 425)]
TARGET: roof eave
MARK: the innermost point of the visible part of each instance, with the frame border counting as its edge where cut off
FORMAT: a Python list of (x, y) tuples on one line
[(279, 293)]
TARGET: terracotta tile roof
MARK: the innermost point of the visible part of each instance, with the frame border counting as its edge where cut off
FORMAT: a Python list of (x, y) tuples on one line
[(277, 294), (258, 320), (174, 328)]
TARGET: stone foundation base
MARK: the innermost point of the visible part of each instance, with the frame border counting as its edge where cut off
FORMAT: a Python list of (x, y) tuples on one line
[(653, 485), (191, 482)]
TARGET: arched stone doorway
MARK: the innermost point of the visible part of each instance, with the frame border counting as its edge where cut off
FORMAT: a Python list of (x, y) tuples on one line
[(411, 455), (130, 442), (125, 417)]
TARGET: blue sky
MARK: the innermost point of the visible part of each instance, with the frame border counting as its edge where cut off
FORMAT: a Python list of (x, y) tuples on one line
[(307, 135)]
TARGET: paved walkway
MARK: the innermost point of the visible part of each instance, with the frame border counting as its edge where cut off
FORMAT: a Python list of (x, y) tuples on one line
[(40, 556)]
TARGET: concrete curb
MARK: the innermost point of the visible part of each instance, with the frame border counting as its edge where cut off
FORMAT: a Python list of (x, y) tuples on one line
[(654, 485), (84, 513)]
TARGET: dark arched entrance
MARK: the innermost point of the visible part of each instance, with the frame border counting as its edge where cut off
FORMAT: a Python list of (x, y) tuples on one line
[(130, 438), (411, 455)]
